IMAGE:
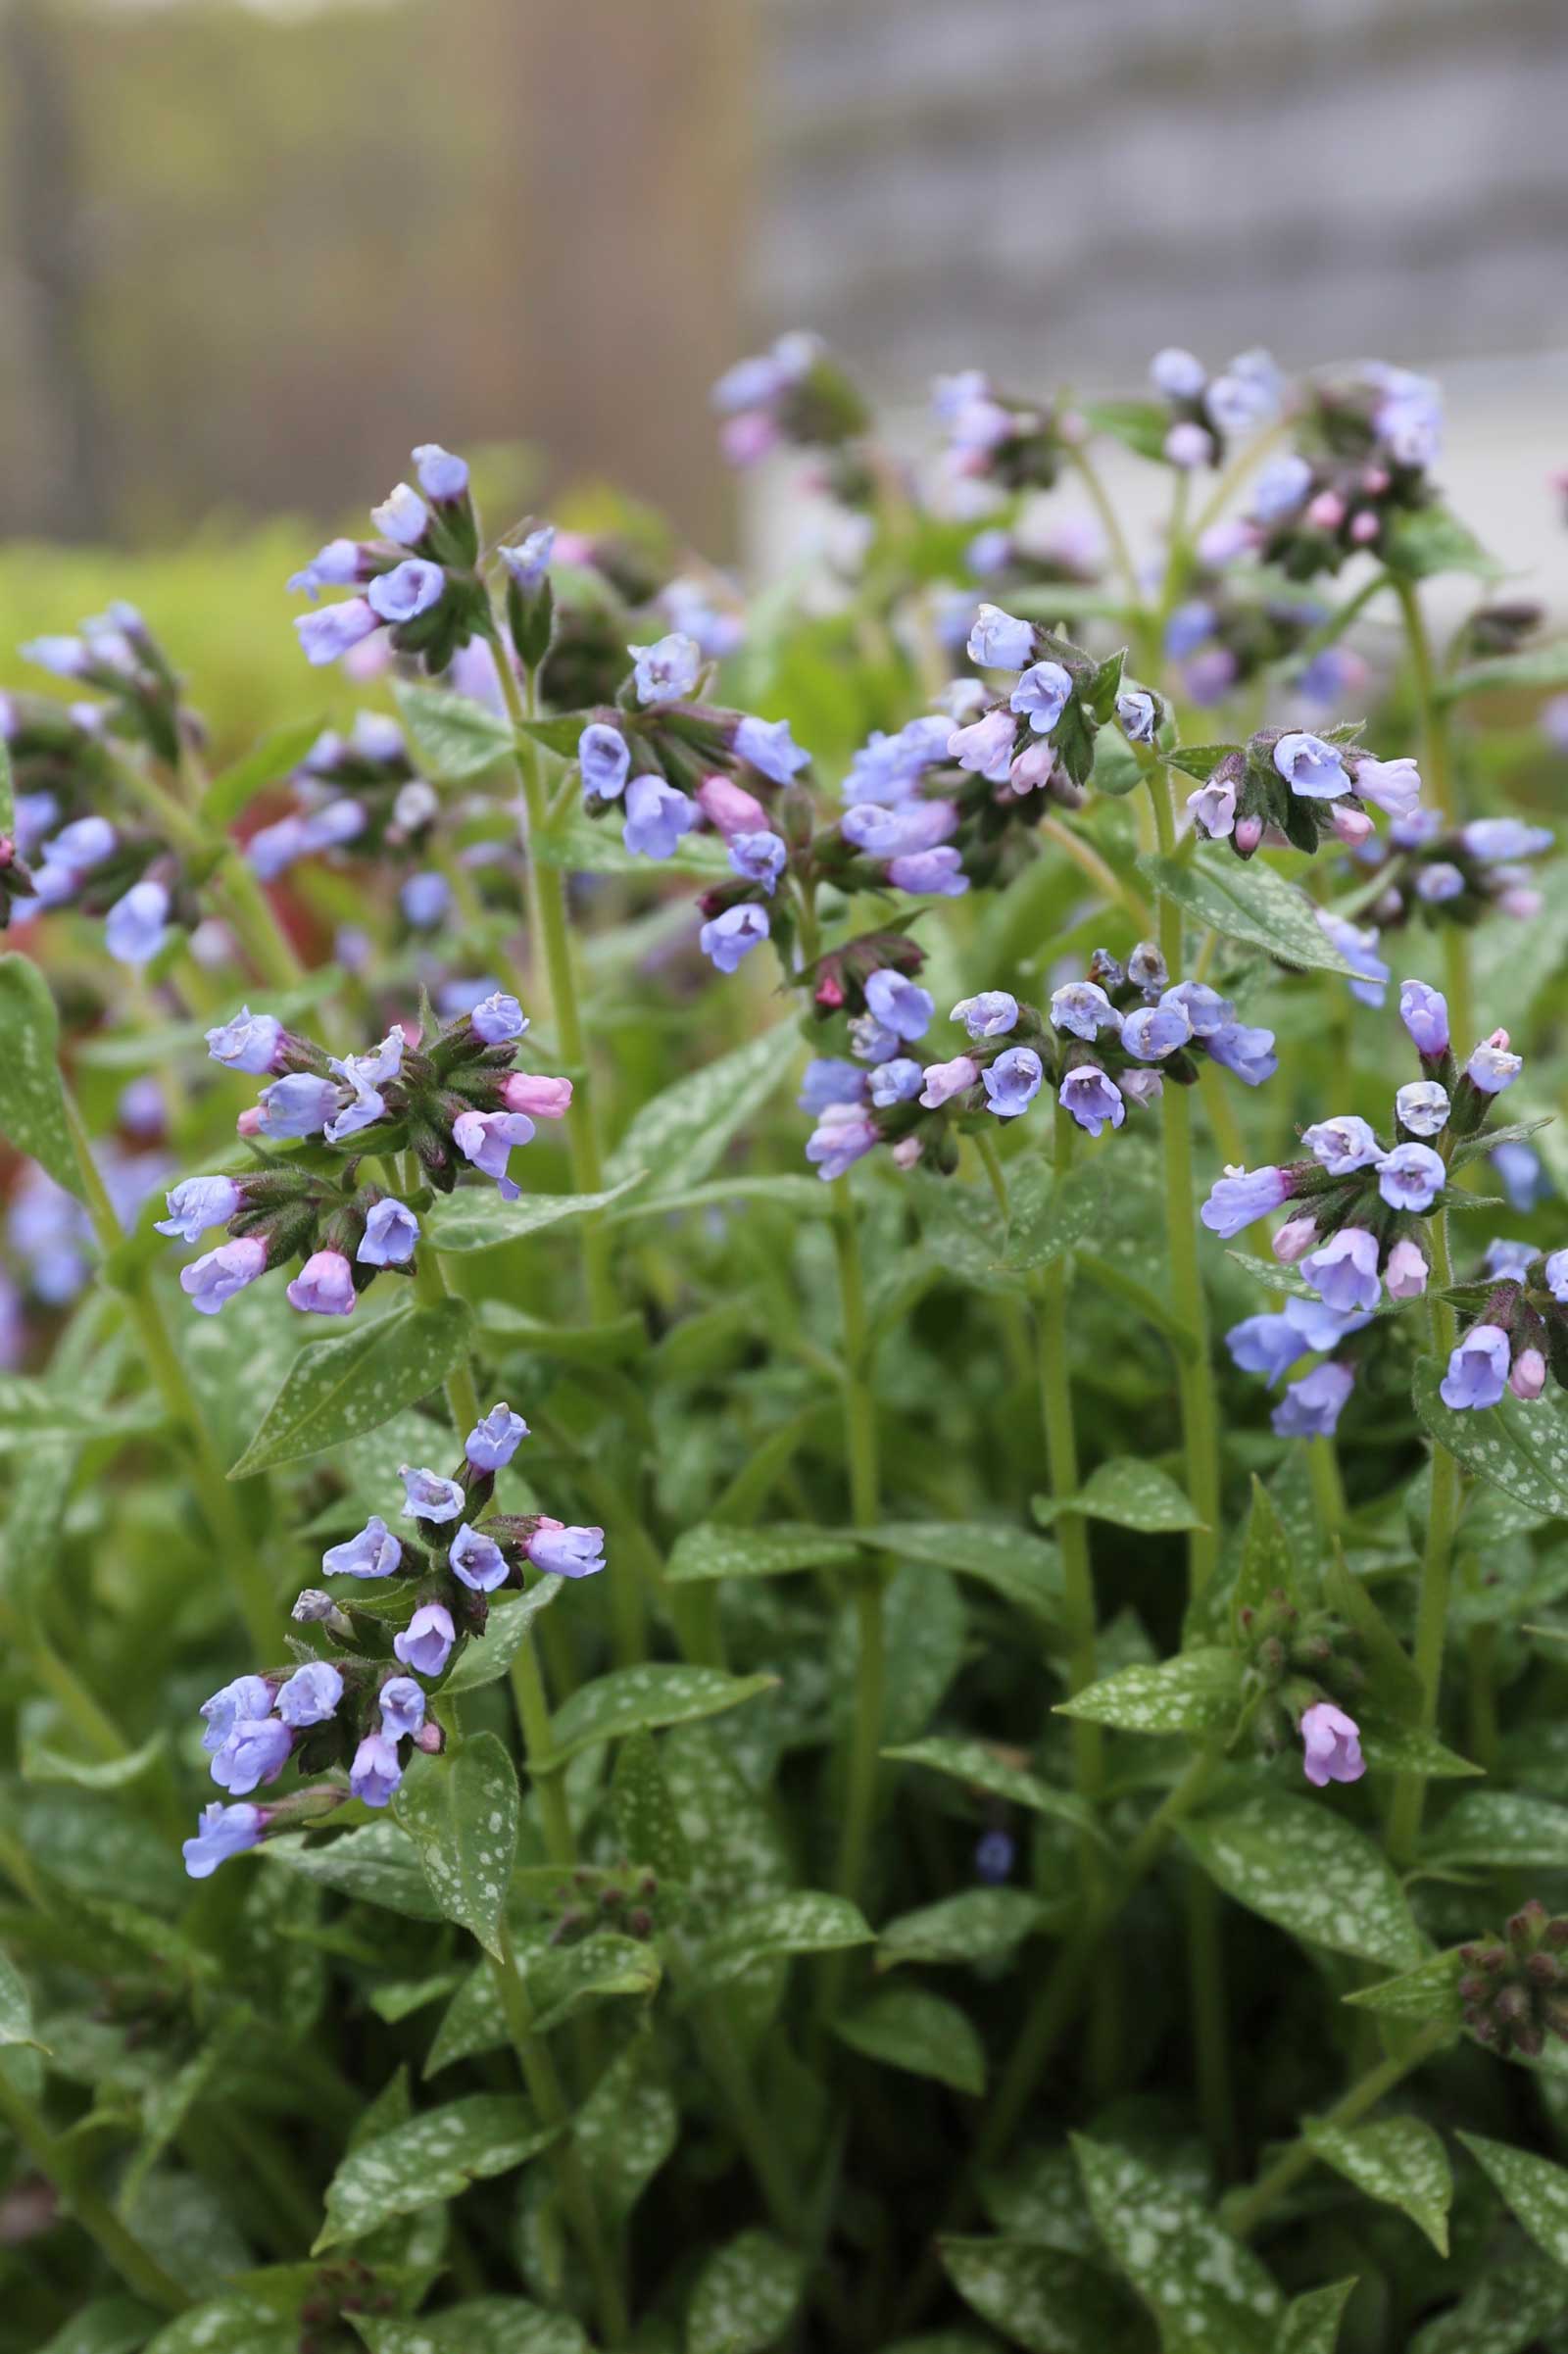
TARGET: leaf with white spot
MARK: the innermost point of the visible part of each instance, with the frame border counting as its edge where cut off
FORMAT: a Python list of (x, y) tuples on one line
[(461, 1811), (1205, 2288), (1399, 2160), (1391, 1747), (717, 1550), (1040, 2298), (33, 1103), (378, 1865), (681, 1135), (803, 1920), (1310, 1872), (486, 1659), (454, 736), (1510, 2308), (909, 2027), (923, 1632), (429, 2158), (1312, 2320), (1245, 900), (645, 1697), (221, 2323), (1520, 1447), (483, 2325), (745, 2296), (1129, 1493), (1534, 2189), (335, 1389), (647, 1820), (1022, 1568), (564, 1980), (626, 2128), (736, 1846), (1430, 1993), (1049, 1216), (1499, 1830), (977, 1925), (477, 1217), (1197, 1691), (16, 2008), (977, 1764), (475, 2021)]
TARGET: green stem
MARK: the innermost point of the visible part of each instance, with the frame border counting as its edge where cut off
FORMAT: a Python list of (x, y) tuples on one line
[(243, 901), (726, 2064), (1110, 523), (219, 1505), (1437, 1569), (1061, 1457), (546, 2093), (137, 2265), (548, 898), (1437, 770), (431, 1287), (1244, 2214)]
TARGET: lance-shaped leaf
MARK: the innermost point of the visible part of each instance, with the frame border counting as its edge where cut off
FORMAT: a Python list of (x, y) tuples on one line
[(430, 2157), (647, 1818), (338, 1388), (1429, 1993), (1399, 2160), (476, 1218), (1310, 1872), (680, 1136), (584, 845), (745, 2296), (1129, 1493), (1535, 2190), (627, 2128), (716, 1550), (1510, 2309), (1051, 1216), (1024, 1569), (564, 1980), (645, 1696), (1521, 1449), (1205, 2288), (1312, 2320), (1249, 902), (1042, 2298), (479, 2326), (977, 1765), (32, 1104), (277, 755), (1499, 1830), (16, 2008), (909, 2027), (1197, 1691), (1424, 540), (377, 1865), (977, 1925), (803, 1920), (487, 1660), (461, 1811), (455, 737)]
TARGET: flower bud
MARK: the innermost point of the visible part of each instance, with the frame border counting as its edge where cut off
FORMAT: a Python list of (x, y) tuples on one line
[(538, 1096), (1529, 1376), (1248, 835), (1352, 826), (730, 808), (1295, 1240)]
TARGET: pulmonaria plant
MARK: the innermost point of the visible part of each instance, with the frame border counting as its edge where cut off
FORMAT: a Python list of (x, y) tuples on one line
[(1288, 785), (1208, 414), (356, 1716), (1365, 443), (451, 1100), (1452, 875), (420, 575)]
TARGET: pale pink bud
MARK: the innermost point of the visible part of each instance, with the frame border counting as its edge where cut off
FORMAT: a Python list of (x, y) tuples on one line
[(1365, 527), (731, 808), (1529, 1376), (430, 1738), (1249, 834), (540, 1098), (1327, 511), (1406, 1271), (906, 1151), (1295, 1240), (1375, 481), (1032, 767), (249, 1122), (1520, 900), (1350, 825)]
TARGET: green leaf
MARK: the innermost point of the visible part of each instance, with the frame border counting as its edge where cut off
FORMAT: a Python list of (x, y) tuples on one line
[(16, 2008), (1049, 1216), (1399, 2160), (1197, 761), (977, 1925), (626, 2128), (455, 738), (1391, 1747), (39, 1763), (1205, 2288), (1243, 899), (924, 1637), (378, 1865), (560, 736), (1130, 1494), (1196, 1691), (1392, 1681), (647, 1820), (801, 1196), (476, 1218), (1499, 1830), (473, 2021), (1521, 1449), (564, 1980), (1510, 2308), (1313, 2320), (432, 2157), (1022, 1568), (802, 1920), (644, 1698), (108, 2324), (977, 1764), (276, 757), (1533, 666), (482, 2326), (582, 845), (1425, 540), (1310, 1872), (30, 1409), (1267, 1561), (1041, 2298), (745, 2296), (1140, 426), (909, 2027), (32, 1104), (1427, 1994), (336, 1389), (487, 1660), (461, 1811), (1534, 2189), (225, 2322), (682, 1134), (716, 1549)]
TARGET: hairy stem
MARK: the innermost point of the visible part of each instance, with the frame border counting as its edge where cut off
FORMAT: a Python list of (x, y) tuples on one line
[(1436, 1571), (1247, 2211)]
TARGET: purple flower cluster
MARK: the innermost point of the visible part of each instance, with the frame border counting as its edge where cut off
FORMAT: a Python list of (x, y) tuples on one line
[(1364, 450), (1292, 786), (1209, 412), (417, 575), (1457, 875)]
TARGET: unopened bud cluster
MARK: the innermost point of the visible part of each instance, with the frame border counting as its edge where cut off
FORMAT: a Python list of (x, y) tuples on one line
[(1458, 875), (1297, 1665), (1364, 451), (1286, 785), (1515, 1987)]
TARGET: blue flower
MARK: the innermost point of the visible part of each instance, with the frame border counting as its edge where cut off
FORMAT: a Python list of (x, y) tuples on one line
[(829, 1079), (572, 1553), (1138, 715), (994, 1857), (300, 1105), (212, 1281), (657, 815), (428, 1496), (1341, 1146), (1344, 1270), (409, 589), (426, 1642), (1091, 1098), (1179, 374), (898, 833), (732, 935), (1241, 1196), (1311, 1408), (1281, 487), (1491, 838), (1438, 882), (476, 1560), (1083, 1009), (221, 1832), (257, 1750), (1314, 769), (1478, 1369), (402, 1704), (442, 477), (1042, 692), (843, 1135), (758, 858), (494, 1440), (604, 757), (1151, 1032), (666, 670), (999, 641), (1206, 1010), (1411, 1177), (896, 1082), (391, 1231), (529, 560), (1248, 1051), (375, 1773), (336, 566), (137, 925), (311, 1695), (1012, 1082), (1189, 626), (1492, 1067), (899, 1004), (327, 635), (1521, 1172), (929, 873), (768, 745), (374, 1554), (198, 1203), (487, 1138), (498, 1019), (1424, 1012), (991, 1015), (246, 1696), (1422, 1107), (1268, 1345), (402, 517)]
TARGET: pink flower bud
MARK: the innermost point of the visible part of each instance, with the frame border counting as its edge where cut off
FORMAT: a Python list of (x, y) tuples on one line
[(1295, 1240), (1365, 527), (249, 1122), (430, 1738), (1327, 511), (1375, 481), (541, 1097), (1529, 1376), (1032, 767), (829, 994), (1248, 835), (1351, 825), (906, 1151), (731, 808), (1406, 1271), (1521, 902)]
